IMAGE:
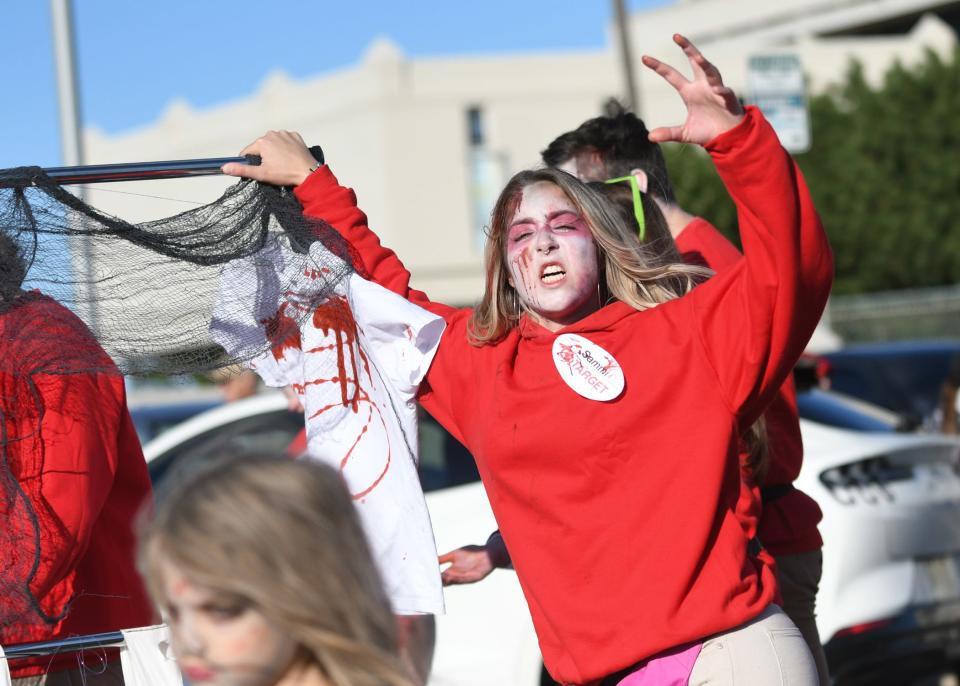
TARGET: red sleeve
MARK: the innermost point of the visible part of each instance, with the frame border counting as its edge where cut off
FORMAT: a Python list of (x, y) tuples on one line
[(702, 244), (322, 196), (756, 318)]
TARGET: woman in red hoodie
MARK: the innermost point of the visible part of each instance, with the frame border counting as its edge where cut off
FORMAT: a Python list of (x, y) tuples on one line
[(604, 413)]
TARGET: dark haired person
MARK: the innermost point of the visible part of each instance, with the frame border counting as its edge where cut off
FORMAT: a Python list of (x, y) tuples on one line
[(72, 479), (618, 145)]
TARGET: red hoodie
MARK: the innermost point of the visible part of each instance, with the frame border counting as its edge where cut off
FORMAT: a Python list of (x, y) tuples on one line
[(74, 455), (619, 515), (788, 524)]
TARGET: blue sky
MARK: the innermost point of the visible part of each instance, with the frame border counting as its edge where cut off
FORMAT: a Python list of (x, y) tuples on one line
[(134, 56)]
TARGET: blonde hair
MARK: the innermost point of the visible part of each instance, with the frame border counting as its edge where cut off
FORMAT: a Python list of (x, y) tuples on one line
[(756, 443), (657, 234), (284, 536), (630, 272)]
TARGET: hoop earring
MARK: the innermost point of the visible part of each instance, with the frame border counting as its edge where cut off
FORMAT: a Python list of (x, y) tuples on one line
[(516, 302), (599, 299)]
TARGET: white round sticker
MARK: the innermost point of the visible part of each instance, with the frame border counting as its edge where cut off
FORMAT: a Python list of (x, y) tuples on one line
[(587, 368)]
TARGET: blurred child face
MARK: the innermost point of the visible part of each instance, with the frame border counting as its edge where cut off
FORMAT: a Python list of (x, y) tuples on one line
[(551, 257), (222, 640)]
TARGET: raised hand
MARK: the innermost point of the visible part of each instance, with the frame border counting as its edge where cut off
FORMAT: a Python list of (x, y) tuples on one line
[(285, 160), (712, 108)]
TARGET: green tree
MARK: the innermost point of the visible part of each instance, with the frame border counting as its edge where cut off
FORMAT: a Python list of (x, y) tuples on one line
[(884, 171)]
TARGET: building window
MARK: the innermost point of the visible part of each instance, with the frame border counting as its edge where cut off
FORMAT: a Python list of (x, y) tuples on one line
[(475, 126)]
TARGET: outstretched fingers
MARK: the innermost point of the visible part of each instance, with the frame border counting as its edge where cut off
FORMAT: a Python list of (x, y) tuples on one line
[(701, 65), (668, 73), (709, 71)]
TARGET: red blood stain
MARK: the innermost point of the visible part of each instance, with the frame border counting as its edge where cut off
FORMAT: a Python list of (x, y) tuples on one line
[(315, 274), (522, 266), (386, 466), (335, 316), (321, 348), (362, 398), (282, 332)]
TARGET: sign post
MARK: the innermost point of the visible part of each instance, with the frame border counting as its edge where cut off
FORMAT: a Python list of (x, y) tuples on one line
[(776, 85)]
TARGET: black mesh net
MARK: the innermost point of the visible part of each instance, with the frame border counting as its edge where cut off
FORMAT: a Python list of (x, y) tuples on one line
[(87, 294), (147, 291)]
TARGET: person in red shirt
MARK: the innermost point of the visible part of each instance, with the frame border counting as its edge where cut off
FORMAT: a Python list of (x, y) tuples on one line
[(617, 145), (605, 413), (72, 479)]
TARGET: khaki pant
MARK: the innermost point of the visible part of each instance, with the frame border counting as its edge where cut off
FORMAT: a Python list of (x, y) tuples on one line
[(799, 578), (767, 651)]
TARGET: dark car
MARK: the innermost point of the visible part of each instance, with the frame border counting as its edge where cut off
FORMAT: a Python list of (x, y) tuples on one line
[(904, 377)]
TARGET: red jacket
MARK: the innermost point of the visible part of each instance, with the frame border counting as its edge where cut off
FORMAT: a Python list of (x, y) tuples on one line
[(788, 524), (619, 516), (74, 456)]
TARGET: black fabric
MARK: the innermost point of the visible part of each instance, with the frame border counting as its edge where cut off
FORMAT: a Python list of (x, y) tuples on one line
[(147, 292), (770, 493)]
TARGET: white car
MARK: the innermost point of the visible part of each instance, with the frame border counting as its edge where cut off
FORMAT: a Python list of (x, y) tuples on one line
[(889, 603)]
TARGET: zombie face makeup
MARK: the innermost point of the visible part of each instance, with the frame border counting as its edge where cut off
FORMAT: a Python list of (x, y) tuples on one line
[(221, 640), (551, 257)]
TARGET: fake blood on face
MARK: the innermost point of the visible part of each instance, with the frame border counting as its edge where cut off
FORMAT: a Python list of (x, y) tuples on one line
[(552, 257)]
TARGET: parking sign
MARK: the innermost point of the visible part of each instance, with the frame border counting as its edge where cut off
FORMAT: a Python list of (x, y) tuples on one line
[(775, 84)]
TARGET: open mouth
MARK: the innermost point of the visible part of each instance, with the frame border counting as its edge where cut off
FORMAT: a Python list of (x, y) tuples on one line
[(552, 273)]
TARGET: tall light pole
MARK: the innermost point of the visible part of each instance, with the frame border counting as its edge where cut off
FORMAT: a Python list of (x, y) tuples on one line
[(71, 144), (626, 56), (71, 149)]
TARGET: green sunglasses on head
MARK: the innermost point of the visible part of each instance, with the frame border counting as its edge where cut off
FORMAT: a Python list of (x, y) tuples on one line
[(637, 202)]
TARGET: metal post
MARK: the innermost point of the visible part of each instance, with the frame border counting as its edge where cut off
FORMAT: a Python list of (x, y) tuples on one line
[(71, 147), (71, 144), (626, 56)]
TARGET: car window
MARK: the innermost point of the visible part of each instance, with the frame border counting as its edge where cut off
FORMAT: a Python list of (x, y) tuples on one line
[(903, 377), (834, 409), (267, 433), (444, 462), (152, 420)]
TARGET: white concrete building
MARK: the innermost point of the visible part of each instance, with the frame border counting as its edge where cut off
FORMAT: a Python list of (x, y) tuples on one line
[(427, 143)]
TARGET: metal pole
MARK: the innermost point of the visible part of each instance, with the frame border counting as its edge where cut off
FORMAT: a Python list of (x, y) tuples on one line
[(71, 147), (133, 171), (626, 56), (108, 640), (71, 144)]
